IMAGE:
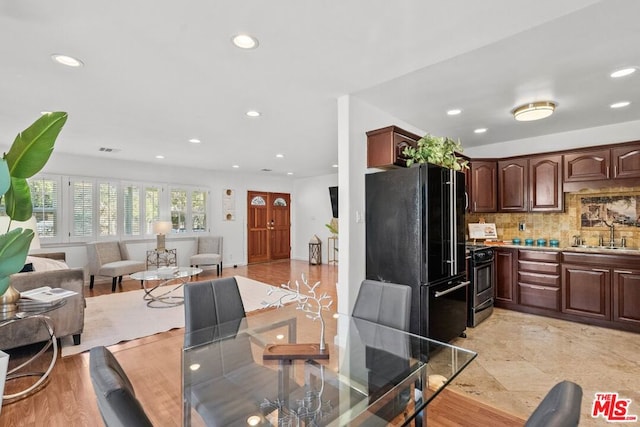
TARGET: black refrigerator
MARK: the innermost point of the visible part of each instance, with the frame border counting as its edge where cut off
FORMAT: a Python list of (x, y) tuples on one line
[(415, 235)]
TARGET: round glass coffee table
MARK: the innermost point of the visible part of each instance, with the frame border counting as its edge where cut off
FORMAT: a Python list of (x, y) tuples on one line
[(162, 293)]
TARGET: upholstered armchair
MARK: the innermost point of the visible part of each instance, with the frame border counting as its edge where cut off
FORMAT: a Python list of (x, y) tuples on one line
[(111, 259), (208, 252)]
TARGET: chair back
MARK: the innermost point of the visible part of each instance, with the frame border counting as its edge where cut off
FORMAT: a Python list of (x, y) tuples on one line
[(210, 245), (384, 303), (559, 408), (100, 253), (210, 303), (117, 402)]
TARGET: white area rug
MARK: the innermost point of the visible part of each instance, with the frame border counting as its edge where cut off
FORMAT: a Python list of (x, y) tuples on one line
[(110, 319)]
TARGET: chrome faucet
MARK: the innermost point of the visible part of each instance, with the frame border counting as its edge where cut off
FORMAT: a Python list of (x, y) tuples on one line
[(612, 241)]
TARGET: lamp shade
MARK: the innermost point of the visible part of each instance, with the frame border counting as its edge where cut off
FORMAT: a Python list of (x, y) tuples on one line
[(534, 111), (162, 227), (31, 224)]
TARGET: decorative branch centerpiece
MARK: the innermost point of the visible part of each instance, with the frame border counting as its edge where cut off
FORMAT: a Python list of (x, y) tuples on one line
[(312, 303)]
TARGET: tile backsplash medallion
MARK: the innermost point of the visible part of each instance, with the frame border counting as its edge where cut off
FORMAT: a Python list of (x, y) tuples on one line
[(563, 226)]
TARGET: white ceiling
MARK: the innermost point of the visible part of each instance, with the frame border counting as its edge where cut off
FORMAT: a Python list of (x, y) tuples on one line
[(158, 73)]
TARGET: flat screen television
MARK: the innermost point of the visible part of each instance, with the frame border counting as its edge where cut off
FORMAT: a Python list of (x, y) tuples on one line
[(333, 195)]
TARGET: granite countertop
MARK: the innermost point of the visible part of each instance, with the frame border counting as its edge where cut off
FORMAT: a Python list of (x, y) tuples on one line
[(587, 249)]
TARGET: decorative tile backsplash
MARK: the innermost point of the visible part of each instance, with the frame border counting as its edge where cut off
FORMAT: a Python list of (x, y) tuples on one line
[(607, 204)]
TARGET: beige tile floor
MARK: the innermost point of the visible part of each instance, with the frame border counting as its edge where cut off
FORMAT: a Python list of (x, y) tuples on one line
[(521, 356)]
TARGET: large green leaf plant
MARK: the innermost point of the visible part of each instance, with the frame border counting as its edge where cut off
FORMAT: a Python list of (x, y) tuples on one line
[(28, 154), (438, 150)]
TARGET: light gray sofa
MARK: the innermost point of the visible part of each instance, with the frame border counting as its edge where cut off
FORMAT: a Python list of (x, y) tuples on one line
[(66, 320)]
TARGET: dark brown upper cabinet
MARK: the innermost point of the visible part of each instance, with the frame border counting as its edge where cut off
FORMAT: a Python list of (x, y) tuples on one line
[(545, 184), (385, 147), (484, 185), (626, 161), (587, 165), (513, 185)]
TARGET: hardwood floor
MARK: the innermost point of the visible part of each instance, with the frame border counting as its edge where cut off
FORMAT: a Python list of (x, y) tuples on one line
[(153, 365)]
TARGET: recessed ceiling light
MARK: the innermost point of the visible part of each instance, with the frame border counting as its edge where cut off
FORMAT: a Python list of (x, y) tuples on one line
[(195, 141), (245, 41), (159, 156), (45, 112), (69, 61), (253, 113), (534, 111), (623, 72), (480, 130), (289, 173), (280, 156), (235, 166), (454, 112), (621, 104), (334, 166), (194, 366)]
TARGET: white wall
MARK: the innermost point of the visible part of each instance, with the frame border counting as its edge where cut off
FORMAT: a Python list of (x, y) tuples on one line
[(355, 118), (312, 210), (611, 134)]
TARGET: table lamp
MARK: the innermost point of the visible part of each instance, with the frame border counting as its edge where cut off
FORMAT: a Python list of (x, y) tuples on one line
[(161, 228)]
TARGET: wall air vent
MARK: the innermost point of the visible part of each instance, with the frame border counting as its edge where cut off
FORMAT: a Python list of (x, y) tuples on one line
[(266, 170), (109, 150)]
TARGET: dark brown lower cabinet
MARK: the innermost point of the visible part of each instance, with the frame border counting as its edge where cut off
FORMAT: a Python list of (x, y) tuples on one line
[(506, 260), (599, 289), (626, 296), (586, 291)]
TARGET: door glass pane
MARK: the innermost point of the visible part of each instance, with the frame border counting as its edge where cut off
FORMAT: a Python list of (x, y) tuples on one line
[(258, 201), (279, 202)]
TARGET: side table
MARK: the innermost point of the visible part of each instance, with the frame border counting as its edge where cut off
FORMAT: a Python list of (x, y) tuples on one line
[(162, 257), (33, 312)]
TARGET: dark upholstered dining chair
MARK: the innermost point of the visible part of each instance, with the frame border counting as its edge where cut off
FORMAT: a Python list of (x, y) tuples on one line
[(559, 408), (387, 304), (117, 401), (210, 303)]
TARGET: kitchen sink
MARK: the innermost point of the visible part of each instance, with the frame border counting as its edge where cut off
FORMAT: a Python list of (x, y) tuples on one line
[(597, 247)]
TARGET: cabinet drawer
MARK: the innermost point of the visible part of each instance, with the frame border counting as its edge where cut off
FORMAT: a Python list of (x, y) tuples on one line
[(539, 279), (539, 267), (545, 256), (539, 296)]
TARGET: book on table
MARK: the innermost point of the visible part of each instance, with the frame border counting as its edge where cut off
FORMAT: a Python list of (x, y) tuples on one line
[(44, 294)]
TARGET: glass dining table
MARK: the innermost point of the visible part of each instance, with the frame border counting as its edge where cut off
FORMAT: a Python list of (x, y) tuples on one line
[(373, 375)]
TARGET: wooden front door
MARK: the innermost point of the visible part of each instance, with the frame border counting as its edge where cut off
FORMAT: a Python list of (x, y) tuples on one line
[(269, 226)]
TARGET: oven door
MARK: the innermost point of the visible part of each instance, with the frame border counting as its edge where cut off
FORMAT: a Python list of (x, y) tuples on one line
[(482, 283)]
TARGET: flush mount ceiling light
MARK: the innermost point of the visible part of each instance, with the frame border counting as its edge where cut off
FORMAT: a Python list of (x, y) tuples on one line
[(534, 111), (623, 72), (69, 61), (253, 113), (245, 41)]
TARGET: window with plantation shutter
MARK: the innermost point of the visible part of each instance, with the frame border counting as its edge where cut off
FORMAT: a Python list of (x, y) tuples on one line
[(178, 205), (198, 211), (45, 196), (82, 195), (108, 209), (132, 208), (151, 207)]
